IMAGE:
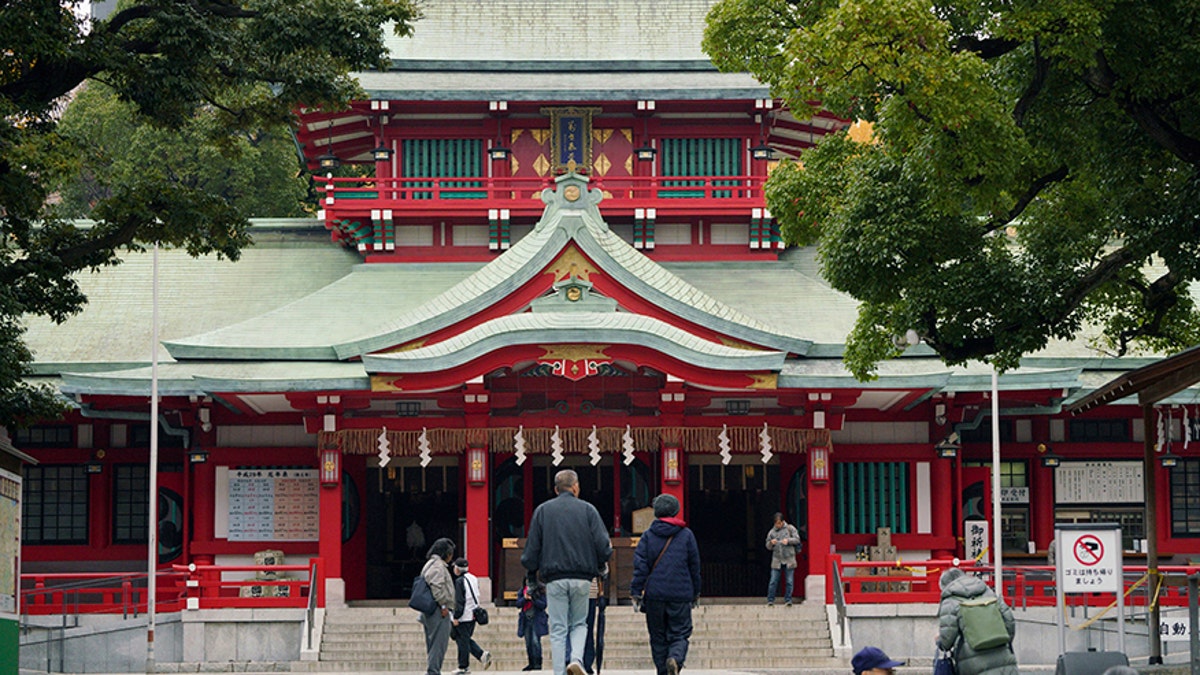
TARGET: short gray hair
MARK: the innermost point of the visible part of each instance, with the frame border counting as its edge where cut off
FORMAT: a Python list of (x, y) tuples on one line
[(564, 480)]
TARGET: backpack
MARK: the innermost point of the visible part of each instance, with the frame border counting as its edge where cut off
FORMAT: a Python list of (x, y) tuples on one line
[(982, 624)]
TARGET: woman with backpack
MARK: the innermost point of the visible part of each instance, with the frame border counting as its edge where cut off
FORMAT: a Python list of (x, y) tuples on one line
[(975, 626)]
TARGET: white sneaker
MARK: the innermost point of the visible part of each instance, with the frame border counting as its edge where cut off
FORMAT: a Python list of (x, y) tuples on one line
[(486, 660)]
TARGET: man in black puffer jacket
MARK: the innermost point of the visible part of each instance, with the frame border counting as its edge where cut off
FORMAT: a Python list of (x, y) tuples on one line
[(666, 584)]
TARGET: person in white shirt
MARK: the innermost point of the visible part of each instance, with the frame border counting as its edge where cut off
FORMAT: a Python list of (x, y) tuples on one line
[(466, 596)]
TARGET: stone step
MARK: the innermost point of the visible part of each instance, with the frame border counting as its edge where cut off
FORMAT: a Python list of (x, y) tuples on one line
[(373, 639)]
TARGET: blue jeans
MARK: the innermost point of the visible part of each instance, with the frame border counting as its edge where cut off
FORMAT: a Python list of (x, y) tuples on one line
[(788, 575), (567, 606)]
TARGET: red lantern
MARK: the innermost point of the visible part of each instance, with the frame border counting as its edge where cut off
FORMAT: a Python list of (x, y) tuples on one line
[(331, 468)]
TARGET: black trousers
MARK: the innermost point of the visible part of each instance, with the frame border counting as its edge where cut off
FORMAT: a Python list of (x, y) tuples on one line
[(670, 625), (467, 647)]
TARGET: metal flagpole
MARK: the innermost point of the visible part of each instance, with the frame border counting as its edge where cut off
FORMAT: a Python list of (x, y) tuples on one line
[(152, 527), (996, 533)]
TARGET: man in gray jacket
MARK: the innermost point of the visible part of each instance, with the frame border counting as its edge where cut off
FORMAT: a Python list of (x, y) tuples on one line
[(783, 541), (441, 584), (567, 546)]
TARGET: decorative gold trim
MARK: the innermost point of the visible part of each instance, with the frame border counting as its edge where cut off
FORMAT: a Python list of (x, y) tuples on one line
[(764, 381), (572, 261), (582, 136)]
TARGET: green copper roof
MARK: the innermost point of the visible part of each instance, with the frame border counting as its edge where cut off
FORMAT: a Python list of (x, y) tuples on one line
[(198, 379), (573, 327), (384, 305)]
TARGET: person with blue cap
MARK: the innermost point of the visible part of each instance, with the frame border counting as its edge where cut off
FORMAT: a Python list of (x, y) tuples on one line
[(873, 661)]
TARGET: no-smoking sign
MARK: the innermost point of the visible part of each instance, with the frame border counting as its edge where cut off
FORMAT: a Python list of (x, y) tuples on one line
[(1092, 559)]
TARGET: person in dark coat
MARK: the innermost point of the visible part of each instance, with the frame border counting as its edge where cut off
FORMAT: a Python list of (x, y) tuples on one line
[(532, 623), (958, 586), (666, 584)]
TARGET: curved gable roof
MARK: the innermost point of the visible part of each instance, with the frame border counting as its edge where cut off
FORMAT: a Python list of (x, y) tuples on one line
[(313, 323)]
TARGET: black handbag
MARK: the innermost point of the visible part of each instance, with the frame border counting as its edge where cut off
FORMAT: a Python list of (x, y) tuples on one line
[(480, 614), (422, 596)]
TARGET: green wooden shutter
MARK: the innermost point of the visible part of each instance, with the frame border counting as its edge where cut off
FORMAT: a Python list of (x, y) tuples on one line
[(443, 158), (870, 495), (700, 157)]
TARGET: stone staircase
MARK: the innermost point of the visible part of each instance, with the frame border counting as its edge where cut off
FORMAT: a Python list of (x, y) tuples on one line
[(725, 636)]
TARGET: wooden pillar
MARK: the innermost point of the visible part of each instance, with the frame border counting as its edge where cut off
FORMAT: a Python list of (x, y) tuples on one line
[(478, 509), (330, 545), (1041, 504), (942, 506), (820, 523)]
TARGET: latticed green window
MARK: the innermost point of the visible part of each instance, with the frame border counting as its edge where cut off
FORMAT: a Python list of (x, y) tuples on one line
[(699, 157), (443, 158), (1185, 499), (55, 505), (870, 495), (131, 491)]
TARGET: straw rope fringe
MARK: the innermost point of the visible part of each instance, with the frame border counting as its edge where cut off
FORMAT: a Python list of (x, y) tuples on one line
[(744, 440)]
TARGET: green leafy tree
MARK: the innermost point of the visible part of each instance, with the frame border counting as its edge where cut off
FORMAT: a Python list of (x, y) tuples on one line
[(226, 68), (1032, 171), (258, 172)]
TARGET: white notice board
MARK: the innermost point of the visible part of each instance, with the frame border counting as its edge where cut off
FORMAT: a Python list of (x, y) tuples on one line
[(273, 505), (1099, 483), (1089, 560)]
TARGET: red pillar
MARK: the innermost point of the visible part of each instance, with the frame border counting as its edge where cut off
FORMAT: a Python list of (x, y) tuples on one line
[(942, 504), (330, 545), (476, 546), (203, 495), (1041, 504), (478, 509), (820, 524)]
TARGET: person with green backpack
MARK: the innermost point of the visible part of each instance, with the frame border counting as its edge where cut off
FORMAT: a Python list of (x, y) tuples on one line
[(975, 626)]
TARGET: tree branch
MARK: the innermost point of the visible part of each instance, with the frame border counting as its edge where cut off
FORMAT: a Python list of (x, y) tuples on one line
[(986, 48), (1041, 67), (1035, 188), (1103, 79)]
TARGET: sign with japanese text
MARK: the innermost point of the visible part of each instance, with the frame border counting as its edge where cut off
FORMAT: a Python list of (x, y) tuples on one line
[(1099, 483), (273, 505), (1014, 495), (570, 139), (1174, 628), (1089, 560), (975, 534)]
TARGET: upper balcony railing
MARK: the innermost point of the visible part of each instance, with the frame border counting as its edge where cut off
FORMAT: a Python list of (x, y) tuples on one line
[(419, 197)]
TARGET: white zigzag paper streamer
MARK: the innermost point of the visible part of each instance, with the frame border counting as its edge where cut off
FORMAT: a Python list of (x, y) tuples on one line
[(385, 454), (723, 442), (1187, 429), (423, 445), (627, 444), (1162, 432), (594, 446), (556, 445), (519, 445), (765, 443)]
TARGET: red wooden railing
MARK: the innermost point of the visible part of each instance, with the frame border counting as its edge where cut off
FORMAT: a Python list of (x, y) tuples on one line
[(181, 587), (99, 593), (916, 581), (419, 196)]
